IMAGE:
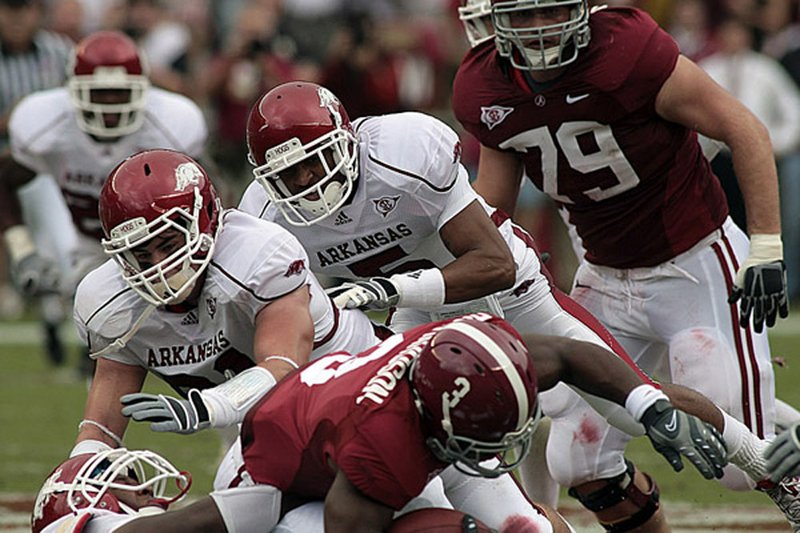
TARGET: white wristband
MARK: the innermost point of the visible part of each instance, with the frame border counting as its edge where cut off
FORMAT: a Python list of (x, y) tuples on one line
[(641, 398), (89, 446), (764, 248), (19, 242), (421, 289), (228, 402)]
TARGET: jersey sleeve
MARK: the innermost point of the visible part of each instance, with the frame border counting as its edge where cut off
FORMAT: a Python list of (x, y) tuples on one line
[(254, 200), (26, 142)]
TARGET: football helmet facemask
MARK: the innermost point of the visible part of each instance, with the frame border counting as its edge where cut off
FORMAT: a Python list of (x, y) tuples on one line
[(302, 123), (475, 387), (160, 194), (108, 66), (476, 16), (540, 47), (89, 481)]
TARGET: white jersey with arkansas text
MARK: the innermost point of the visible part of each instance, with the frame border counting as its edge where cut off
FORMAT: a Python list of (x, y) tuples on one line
[(411, 183), (45, 137), (255, 262)]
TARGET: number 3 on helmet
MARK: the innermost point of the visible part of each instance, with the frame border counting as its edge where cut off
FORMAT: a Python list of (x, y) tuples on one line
[(303, 122), (476, 389)]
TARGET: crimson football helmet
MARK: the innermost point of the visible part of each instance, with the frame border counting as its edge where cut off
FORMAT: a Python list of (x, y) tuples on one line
[(155, 193), (108, 61), (476, 389), (540, 47), (476, 16), (90, 481), (301, 121)]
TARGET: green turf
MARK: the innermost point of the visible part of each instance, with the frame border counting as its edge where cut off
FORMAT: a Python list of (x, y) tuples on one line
[(40, 409)]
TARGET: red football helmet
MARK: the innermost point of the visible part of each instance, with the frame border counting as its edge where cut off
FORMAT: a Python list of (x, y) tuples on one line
[(476, 16), (89, 481), (151, 193), (108, 61), (540, 47), (476, 389), (294, 122)]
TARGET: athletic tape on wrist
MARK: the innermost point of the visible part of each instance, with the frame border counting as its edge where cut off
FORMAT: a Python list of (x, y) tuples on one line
[(641, 398), (19, 242), (107, 432), (421, 289), (89, 446), (228, 402)]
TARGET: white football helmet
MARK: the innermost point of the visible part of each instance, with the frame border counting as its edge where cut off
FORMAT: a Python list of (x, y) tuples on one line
[(540, 47), (476, 15)]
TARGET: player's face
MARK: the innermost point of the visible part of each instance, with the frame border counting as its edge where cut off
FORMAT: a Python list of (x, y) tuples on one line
[(306, 174), (111, 96), (539, 18), (133, 499), (158, 248)]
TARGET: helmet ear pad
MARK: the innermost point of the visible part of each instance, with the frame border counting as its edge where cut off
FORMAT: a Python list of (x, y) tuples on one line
[(476, 390), (300, 123)]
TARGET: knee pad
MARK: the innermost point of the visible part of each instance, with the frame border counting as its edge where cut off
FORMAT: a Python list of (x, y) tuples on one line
[(616, 490)]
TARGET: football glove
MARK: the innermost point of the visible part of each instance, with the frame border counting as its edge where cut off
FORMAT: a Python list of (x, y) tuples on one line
[(783, 455), (35, 275), (761, 283), (674, 433), (166, 413), (374, 294)]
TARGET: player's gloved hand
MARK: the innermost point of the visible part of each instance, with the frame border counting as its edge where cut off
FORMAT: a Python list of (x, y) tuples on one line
[(783, 454), (35, 275), (166, 413), (761, 283), (675, 433), (374, 294)]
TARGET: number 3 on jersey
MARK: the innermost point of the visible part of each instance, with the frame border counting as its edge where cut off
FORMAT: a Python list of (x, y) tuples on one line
[(609, 155)]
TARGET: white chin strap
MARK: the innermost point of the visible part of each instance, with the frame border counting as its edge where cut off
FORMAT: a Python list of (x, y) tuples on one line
[(177, 284), (540, 59), (329, 197)]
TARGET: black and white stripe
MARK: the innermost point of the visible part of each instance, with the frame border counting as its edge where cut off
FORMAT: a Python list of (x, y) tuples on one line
[(42, 67)]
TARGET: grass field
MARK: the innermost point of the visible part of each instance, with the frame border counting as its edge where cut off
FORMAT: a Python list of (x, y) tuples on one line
[(40, 409)]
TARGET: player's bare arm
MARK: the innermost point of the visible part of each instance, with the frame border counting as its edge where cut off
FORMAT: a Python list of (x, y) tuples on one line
[(499, 178), (483, 264), (284, 328), (111, 380), (348, 510), (202, 515), (690, 97)]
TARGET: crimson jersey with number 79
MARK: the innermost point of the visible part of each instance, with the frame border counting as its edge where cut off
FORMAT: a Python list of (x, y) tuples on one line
[(636, 186)]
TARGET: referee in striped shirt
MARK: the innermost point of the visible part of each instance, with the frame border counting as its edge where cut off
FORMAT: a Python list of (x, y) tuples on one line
[(31, 58)]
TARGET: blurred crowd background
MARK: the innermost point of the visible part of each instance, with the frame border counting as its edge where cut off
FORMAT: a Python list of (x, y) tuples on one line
[(383, 56)]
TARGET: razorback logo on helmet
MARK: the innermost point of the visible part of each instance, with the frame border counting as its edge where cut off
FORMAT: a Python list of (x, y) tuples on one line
[(51, 485), (187, 174), (295, 268), (494, 115), (328, 100)]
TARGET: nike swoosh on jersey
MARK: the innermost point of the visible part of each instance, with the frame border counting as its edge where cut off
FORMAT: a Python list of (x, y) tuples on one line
[(572, 99)]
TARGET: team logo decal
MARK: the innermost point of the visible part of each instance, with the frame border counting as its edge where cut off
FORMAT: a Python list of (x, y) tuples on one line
[(51, 485), (295, 268), (211, 306), (494, 115), (328, 100), (540, 100), (385, 204), (187, 174)]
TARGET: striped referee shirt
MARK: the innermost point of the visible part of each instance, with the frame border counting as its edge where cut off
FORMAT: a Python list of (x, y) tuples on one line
[(41, 67)]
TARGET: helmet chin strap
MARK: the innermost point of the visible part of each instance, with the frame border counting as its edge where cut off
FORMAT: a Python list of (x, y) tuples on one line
[(331, 195)]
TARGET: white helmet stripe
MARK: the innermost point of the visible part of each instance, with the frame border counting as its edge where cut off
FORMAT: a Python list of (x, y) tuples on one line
[(520, 391)]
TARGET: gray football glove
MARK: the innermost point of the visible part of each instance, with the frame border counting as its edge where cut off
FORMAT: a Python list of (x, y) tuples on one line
[(166, 413), (763, 294), (783, 454), (675, 433), (35, 275), (374, 294)]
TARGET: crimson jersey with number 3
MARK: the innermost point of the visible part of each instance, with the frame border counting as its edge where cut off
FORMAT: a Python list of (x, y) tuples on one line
[(636, 186)]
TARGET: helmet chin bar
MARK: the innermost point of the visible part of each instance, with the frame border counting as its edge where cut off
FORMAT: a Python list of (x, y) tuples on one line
[(471, 456), (172, 279), (332, 190)]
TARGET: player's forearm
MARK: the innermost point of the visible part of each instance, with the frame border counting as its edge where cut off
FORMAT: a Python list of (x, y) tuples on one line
[(478, 273)]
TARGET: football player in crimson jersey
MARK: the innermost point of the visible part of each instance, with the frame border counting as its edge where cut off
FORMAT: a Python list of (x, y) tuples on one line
[(77, 134), (216, 303), (601, 111)]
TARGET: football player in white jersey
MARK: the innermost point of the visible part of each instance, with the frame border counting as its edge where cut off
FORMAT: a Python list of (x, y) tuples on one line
[(77, 133), (218, 304), (385, 202)]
